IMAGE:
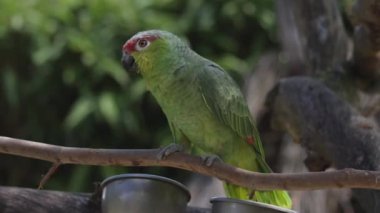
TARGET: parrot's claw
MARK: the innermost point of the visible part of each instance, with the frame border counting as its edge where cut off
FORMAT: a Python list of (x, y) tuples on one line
[(168, 150), (210, 159)]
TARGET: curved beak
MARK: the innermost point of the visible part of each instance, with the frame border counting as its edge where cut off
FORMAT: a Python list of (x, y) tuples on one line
[(129, 63)]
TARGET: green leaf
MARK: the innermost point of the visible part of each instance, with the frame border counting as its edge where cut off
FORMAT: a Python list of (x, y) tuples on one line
[(108, 108), (79, 178), (82, 108), (108, 171), (11, 88), (114, 69)]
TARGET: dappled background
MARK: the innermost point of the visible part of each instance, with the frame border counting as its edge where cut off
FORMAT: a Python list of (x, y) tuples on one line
[(61, 81)]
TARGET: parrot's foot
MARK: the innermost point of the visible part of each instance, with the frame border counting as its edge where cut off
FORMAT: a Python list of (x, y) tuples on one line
[(210, 159), (168, 150)]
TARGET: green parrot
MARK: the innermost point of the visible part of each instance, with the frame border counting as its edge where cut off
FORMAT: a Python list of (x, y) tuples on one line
[(203, 106)]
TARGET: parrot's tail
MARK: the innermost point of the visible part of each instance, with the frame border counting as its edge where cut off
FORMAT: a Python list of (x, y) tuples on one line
[(276, 197)]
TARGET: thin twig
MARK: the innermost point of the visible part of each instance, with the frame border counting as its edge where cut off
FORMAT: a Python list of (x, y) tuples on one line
[(47, 176)]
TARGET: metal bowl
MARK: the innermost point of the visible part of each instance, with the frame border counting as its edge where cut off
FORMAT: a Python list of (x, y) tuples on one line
[(143, 193), (229, 205)]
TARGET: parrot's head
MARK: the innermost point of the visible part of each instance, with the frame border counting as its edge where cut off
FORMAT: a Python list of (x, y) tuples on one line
[(149, 49)]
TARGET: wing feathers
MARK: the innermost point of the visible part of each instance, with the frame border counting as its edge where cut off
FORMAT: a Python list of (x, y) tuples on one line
[(225, 100)]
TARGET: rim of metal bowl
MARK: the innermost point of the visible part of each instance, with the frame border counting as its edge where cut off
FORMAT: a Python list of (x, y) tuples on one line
[(249, 202), (145, 176)]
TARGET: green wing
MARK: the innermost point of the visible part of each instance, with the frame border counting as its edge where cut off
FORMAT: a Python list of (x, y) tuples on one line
[(225, 100)]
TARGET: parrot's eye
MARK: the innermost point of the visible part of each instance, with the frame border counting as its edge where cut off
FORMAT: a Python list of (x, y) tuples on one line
[(142, 44)]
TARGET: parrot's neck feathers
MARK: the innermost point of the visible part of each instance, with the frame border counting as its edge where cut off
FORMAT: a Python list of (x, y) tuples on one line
[(167, 63)]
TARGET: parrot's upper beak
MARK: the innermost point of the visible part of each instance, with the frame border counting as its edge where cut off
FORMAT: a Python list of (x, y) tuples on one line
[(129, 63)]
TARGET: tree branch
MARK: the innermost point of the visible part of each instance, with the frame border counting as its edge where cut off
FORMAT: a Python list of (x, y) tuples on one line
[(312, 35), (86, 156), (366, 16), (19, 200), (325, 124)]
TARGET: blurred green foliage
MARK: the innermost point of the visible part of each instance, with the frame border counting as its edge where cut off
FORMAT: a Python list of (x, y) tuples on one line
[(61, 81)]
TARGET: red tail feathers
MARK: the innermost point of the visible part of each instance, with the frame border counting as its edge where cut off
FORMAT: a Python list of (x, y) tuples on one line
[(250, 140)]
